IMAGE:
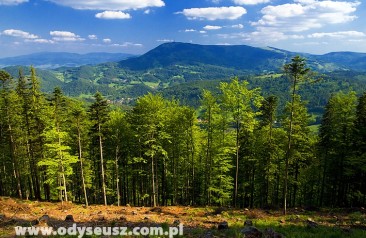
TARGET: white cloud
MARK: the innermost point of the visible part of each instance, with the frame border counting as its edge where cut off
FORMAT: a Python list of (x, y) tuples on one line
[(129, 44), (28, 37), (124, 45), (113, 15), (165, 40), (250, 2), (189, 30), (203, 32), (40, 41), (304, 15), (65, 36), (238, 26), (262, 37), (107, 40), (112, 5), (12, 2), (19, 33), (338, 34), (147, 11), (214, 13), (209, 27), (92, 37)]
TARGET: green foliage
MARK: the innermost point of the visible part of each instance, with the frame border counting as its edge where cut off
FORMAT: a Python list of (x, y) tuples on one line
[(234, 150), (336, 139), (58, 160)]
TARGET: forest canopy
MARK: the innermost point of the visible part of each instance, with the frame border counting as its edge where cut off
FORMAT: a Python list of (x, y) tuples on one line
[(237, 148)]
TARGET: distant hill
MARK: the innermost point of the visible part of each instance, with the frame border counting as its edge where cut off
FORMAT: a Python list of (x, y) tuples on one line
[(345, 60), (51, 60), (49, 79), (182, 71), (239, 57)]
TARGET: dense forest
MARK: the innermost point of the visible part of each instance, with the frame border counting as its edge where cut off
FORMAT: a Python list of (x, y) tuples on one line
[(239, 148)]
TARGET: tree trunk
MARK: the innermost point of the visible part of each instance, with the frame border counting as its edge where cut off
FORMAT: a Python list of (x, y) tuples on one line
[(288, 152), (64, 181), (82, 167), (153, 181), (14, 161), (117, 174), (102, 166), (237, 164)]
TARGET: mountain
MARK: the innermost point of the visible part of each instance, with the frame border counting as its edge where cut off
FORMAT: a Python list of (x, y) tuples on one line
[(240, 57), (345, 60), (50, 60), (182, 71)]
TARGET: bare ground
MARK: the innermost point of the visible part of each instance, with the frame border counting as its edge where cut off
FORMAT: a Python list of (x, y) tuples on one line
[(198, 221)]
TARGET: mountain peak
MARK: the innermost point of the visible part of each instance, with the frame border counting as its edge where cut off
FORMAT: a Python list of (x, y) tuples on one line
[(241, 57)]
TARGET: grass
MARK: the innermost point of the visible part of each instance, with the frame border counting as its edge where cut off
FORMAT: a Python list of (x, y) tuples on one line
[(266, 76), (152, 84)]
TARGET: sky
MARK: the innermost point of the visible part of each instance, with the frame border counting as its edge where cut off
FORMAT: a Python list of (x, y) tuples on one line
[(137, 26)]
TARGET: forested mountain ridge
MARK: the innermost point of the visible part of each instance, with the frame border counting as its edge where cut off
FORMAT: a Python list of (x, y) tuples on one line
[(240, 57), (183, 70)]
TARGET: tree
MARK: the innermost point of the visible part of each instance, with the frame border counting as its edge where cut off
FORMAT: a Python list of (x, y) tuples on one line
[(211, 111), (36, 115), (357, 168), (239, 101), (301, 153), (9, 109), (218, 152), (360, 125), (179, 169), (336, 144), (79, 129), (148, 116), (99, 115), (117, 127), (267, 122), (58, 159), (296, 72)]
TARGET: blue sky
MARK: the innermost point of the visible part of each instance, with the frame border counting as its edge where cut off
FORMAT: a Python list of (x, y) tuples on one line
[(136, 26)]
